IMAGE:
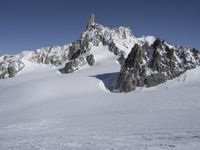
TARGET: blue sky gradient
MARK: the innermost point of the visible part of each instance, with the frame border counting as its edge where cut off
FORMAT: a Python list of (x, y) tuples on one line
[(31, 24)]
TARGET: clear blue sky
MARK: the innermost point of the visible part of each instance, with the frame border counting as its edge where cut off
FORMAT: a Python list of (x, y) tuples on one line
[(31, 24)]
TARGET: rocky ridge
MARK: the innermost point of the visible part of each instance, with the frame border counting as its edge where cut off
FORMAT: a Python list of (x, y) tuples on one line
[(146, 61), (119, 40), (152, 65)]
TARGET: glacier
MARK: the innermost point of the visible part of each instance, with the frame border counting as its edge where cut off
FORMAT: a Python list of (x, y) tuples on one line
[(44, 109)]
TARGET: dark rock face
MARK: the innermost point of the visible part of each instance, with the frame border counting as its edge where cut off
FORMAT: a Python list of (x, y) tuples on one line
[(155, 79), (79, 48), (133, 67), (113, 48), (90, 60), (12, 71), (10, 66), (91, 23), (147, 65), (94, 35), (73, 65), (97, 34), (125, 82), (151, 66)]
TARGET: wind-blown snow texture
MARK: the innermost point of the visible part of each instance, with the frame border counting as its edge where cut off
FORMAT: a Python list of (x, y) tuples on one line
[(41, 108)]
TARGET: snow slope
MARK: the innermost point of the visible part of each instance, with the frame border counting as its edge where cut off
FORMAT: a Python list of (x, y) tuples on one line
[(42, 109)]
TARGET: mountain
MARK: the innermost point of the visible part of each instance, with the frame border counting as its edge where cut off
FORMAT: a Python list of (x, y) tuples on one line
[(119, 41), (44, 107), (146, 61), (152, 65)]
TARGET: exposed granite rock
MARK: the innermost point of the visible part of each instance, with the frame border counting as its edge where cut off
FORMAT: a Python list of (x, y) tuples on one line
[(91, 23), (132, 69), (148, 58), (73, 65), (80, 47), (155, 79), (90, 60), (118, 40), (113, 48), (10, 66), (125, 82), (55, 56), (151, 66), (95, 34)]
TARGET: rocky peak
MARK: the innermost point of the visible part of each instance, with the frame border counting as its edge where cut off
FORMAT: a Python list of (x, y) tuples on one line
[(150, 66), (149, 61), (9, 66), (119, 40), (91, 23), (132, 69)]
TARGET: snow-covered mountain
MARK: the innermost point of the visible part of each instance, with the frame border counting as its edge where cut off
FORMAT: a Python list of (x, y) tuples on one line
[(150, 60), (152, 65), (119, 41), (42, 107)]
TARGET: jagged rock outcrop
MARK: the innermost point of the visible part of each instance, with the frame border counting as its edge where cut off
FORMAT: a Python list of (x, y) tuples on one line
[(134, 66), (119, 40), (155, 64), (55, 56), (90, 60), (73, 65), (10, 66), (91, 23), (151, 61), (113, 48)]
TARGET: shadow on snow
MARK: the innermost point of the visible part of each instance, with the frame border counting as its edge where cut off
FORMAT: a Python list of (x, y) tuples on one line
[(108, 79)]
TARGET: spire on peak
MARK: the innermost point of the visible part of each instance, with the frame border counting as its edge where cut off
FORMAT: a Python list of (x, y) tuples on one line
[(91, 22)]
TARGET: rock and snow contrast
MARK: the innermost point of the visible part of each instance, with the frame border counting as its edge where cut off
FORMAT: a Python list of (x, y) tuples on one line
[(107, 90), (155, 64)]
